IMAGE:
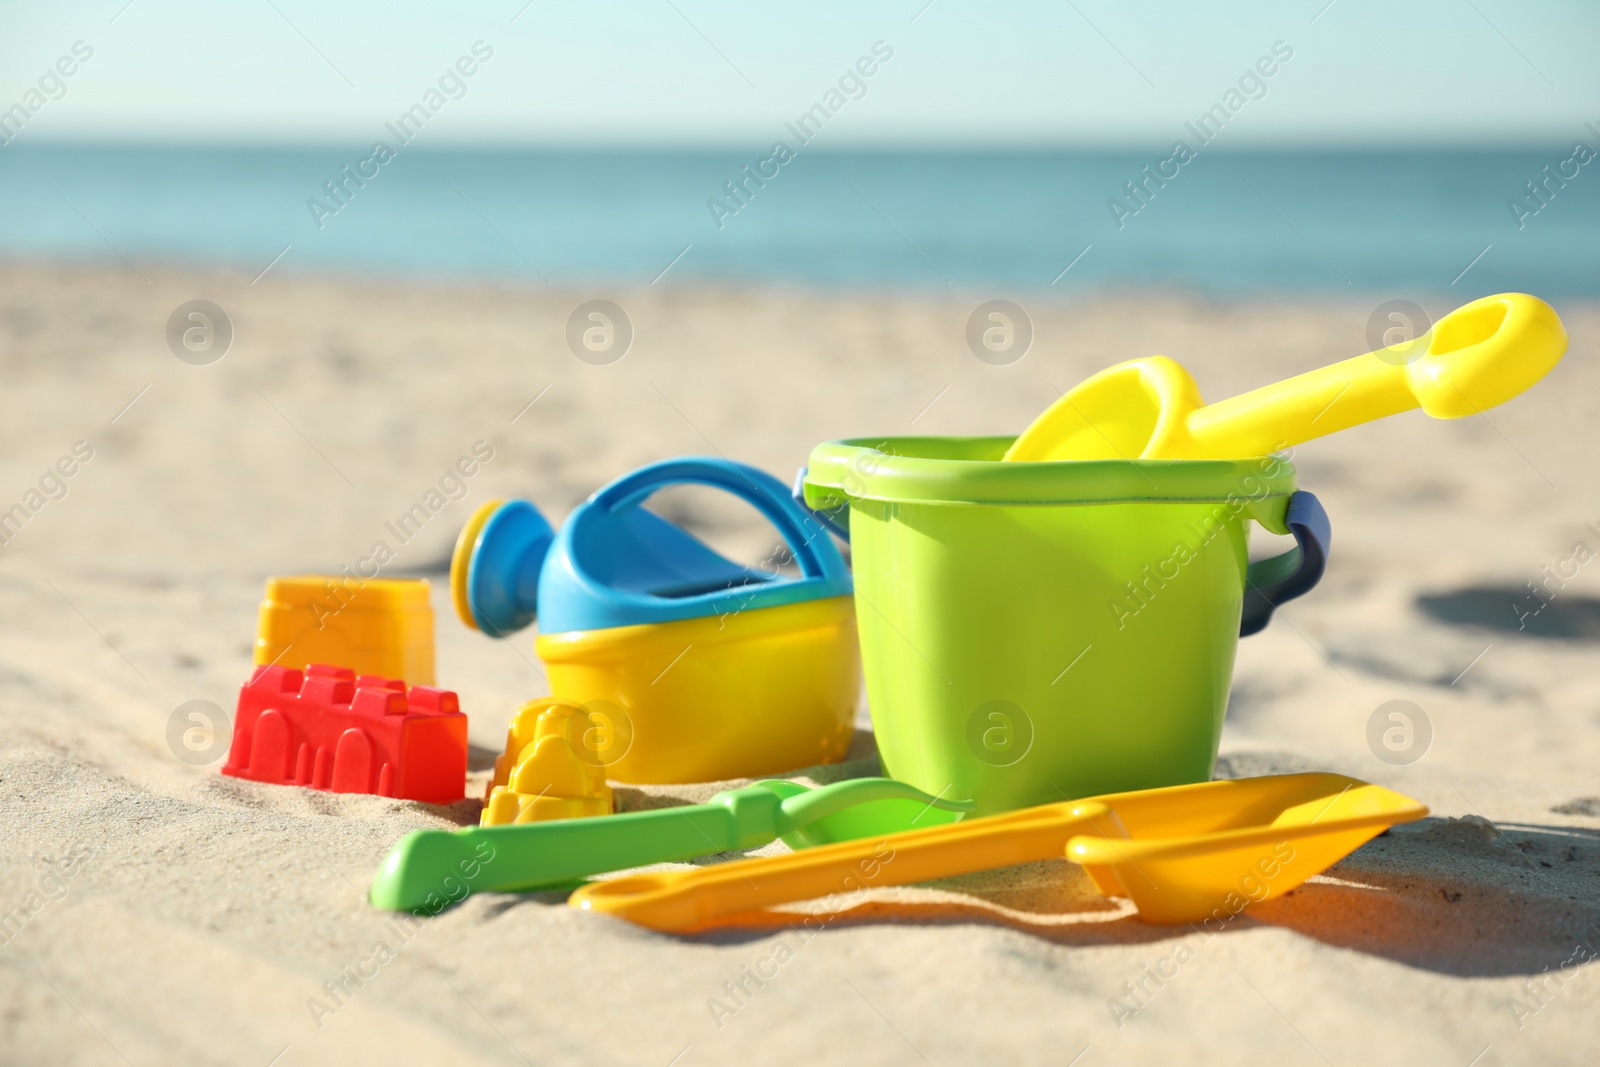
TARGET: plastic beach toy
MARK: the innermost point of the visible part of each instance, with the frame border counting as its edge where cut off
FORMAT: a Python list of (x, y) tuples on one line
[(1183, 854), (552, 767), (381, 626), (703, 669), (1038, 631), (1480, 355), (429, 866), (327, 728)]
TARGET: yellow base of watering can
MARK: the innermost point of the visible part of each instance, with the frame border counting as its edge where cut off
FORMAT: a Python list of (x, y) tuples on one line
[(702, 700), (686, 666)]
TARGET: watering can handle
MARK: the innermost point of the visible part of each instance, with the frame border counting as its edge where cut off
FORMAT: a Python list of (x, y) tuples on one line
[(1270, 582), (751, 484)]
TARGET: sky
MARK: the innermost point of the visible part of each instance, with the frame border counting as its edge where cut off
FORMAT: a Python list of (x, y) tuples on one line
[(713, 73)]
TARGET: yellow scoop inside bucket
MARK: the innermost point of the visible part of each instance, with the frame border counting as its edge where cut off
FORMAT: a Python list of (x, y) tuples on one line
[(1478, 356), (1183, 854)]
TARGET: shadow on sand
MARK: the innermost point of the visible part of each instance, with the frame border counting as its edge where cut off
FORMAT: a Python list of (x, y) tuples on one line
[(1456, 896), (1510, 610)]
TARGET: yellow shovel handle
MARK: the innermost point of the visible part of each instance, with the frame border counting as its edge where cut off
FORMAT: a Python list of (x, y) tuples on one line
[(1480, 355), (681, 901)]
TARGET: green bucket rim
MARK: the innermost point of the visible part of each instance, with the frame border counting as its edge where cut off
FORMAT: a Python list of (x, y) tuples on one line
[(968, 470)]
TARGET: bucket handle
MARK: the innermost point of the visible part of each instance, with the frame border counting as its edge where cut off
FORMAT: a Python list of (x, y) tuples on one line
[(751, 484), (1270, 582)]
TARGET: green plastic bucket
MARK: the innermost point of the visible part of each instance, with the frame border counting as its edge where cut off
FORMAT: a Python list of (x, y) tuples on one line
[(1032, 632)]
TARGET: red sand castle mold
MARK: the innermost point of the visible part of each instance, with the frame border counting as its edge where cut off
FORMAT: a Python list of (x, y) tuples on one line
[(328, 729)]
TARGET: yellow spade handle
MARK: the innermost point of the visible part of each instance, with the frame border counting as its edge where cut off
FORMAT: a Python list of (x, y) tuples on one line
[(680, 901), (1480, 355)]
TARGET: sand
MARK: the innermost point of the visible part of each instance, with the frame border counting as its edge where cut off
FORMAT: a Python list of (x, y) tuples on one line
[(162, 913)]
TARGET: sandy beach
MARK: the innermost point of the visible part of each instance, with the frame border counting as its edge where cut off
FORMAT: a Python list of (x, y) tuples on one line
[(163, 913)]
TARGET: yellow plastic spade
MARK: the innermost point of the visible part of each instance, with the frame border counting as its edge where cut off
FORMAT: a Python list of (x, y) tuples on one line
[(1182, 854), (1478, 356)]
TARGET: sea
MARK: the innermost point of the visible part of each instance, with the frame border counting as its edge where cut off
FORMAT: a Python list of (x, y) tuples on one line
[(997, 221)]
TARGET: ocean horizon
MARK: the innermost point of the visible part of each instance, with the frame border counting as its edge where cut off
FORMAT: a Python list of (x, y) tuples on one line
[(1220, 222)]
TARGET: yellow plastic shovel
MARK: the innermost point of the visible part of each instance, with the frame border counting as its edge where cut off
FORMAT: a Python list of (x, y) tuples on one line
[(1182, 854), (1479, 355)]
